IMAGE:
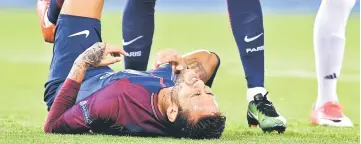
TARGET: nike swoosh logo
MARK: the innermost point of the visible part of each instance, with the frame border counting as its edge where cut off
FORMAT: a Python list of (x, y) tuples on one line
[(246, 39), (84, 32), (332, 119), (267, 104), (130, 42)]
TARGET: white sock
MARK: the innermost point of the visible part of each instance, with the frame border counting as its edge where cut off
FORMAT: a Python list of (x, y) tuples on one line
[(329, 43), (46, 19), (251, 92)]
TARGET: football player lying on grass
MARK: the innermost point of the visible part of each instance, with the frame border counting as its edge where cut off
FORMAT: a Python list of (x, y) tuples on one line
[(140, 103), (84, 94), (154, 103)]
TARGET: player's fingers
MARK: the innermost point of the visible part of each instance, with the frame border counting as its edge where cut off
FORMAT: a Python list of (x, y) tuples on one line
[(173, 60), (155, 66), (166, 59), (110, 60), (157, 62), (173, 66), (166, 54), (160, 61), (180, 67), (115, 49)]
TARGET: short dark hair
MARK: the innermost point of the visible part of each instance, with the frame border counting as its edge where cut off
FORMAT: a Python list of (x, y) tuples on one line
[(207, 127)]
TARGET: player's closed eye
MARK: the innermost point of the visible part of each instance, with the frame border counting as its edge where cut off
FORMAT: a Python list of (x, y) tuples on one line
[(208, 90), (197, 93), (210, 94)]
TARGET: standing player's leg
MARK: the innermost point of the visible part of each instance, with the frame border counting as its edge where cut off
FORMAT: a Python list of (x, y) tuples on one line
[(247, 25), (138, 29), (48, 11), (54, 10), (78, 28), (329, 44)]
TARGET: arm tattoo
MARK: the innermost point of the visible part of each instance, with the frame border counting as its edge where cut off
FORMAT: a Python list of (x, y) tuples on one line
[(198, 67), (76, 70), (90, 57), (94, 54)]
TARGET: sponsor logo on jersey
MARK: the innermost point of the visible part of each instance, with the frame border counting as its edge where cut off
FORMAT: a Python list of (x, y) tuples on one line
[(84, 109)]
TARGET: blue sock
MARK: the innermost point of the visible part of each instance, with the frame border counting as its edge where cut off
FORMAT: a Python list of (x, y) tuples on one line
[(54, 10), (247, 26), (138, 29)]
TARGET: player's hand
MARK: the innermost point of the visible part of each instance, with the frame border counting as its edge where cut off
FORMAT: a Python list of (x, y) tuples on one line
[(102, 54), (172, 57)]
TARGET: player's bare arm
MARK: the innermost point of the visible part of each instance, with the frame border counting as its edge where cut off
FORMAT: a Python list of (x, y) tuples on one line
[(95, 56), (202, 61)]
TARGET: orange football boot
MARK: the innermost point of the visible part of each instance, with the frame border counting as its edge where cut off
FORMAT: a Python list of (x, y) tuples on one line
[(47, 28), (330, 114)]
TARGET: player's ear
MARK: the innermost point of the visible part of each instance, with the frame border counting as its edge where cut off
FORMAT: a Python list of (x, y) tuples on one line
[(172, 113)]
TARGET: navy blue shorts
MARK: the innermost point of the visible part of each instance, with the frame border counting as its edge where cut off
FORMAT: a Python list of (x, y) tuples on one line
[(73, 36)]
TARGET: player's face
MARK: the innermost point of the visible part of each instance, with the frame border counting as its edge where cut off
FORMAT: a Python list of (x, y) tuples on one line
[(194, 96)]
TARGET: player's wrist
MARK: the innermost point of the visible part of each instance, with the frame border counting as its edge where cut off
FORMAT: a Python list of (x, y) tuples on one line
[(80, 62)]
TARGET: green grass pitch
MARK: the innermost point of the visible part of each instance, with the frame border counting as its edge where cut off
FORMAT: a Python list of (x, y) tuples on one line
[(290, 76)]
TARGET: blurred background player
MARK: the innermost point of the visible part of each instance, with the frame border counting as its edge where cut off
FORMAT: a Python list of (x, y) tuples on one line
[(246, 20), (126, 102), (329, 45), (48, 14)]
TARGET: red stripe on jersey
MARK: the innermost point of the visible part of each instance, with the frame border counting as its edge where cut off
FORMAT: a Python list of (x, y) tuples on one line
[(161, 82), (160, 79)]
